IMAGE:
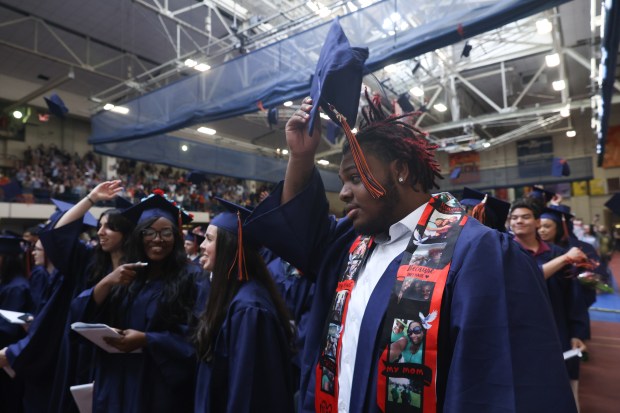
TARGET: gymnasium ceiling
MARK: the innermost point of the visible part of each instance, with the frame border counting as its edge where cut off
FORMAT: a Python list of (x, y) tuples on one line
[(94, 52)]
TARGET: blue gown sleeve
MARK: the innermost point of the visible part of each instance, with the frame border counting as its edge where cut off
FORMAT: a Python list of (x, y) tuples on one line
[(503, 352), (15, 296), (258, 375)]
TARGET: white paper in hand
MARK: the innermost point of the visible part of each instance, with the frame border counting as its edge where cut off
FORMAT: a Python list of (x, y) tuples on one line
[(572, 353), (14, 317), (96, 333)]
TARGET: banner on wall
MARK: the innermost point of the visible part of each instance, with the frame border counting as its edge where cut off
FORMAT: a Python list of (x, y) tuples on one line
[(535, 156), (580, 188), (597, 187), (611, 159), (468, 163)]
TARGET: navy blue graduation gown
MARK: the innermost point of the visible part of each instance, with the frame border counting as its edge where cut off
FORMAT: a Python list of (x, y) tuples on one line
[(161, 377), (251, 367), (39, 286), (568, 306), (498, 350)]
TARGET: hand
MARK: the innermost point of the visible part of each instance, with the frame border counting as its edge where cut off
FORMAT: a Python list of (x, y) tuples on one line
[(131, 340), (3, 360), (123, 274), (575, 255), (299, 142), (105, 191), (577, 343), (263, 195)]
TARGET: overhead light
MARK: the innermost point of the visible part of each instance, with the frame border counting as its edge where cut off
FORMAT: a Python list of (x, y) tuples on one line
[(544, 26), (108, 106), (206, 131), (284, 151), (571, 133), (440, 107), (565, 111), (354, 131), (552, 60), (486, 144), (559, 85), (184, 148), (120, 109), (288, 103), (190, 62), (17, 114), (323, 116), (417, 91), (323, 162), (202, 67)]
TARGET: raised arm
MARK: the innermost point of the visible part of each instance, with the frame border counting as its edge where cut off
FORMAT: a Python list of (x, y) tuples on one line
[(105, 191), (302, 149), (574, 255)]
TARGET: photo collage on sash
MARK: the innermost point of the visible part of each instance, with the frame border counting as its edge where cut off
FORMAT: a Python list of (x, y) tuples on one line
[(410, 312)]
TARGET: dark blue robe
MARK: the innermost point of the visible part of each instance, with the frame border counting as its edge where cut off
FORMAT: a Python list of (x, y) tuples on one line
[(39, 286), (498, 350), (161, 377), (569, 309), (14, 296), (251, 367)]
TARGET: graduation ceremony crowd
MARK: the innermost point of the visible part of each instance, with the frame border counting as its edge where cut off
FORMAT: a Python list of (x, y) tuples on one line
[(446, 308)]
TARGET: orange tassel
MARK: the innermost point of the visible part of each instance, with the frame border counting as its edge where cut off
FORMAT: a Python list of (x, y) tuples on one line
[(372, 185), (242, 273), (478, 212), (565, 228)]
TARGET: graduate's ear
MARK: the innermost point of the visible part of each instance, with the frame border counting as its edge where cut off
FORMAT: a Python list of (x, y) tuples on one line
[(399, 170)]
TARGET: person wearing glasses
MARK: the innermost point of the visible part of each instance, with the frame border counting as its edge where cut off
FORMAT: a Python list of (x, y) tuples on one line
[(150, 301), (409, 349)]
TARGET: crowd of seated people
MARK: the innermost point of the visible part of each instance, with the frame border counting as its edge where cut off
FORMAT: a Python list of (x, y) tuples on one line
[(47, 172)]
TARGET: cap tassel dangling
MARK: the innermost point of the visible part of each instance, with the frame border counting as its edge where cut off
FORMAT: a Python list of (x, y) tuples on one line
[(242, 272), (565, 228), (479, 212), (370, 183)]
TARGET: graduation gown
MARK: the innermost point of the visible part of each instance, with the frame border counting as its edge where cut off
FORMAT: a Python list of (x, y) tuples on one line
[(568, 306), (161, 377), (39, 287), (498, 350), (251, 367)]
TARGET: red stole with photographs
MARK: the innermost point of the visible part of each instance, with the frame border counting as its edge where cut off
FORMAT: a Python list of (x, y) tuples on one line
[(406, 380)]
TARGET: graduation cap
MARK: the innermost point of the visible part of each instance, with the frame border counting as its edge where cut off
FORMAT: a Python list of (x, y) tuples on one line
[(63, 206), (456, 173), (542, 194), (336, 89), (559, 167), (157, 205), (232, 221), (614, 204), (195, 238), (489, 210), (122, 203), (56, 106), (337, 80), (10, 245)]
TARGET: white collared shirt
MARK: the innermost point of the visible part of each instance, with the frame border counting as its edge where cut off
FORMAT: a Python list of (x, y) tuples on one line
[(383, 254)]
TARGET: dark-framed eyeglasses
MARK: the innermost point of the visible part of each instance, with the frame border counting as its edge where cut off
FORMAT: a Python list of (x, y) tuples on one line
[(416, 330), (150, 234)]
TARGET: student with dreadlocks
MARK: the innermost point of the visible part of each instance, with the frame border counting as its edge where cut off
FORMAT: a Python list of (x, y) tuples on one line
[(489, 342)]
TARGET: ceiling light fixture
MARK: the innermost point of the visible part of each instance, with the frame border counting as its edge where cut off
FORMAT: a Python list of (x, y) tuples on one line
[(288, 103), (417, 91), (190, 63), (108, 106), (284, 151), (323, 116), (571, 133), (120, 109), (184, 148), (565, 111), (544, 26), (552, 60), (559, 85), (440, 107), (323, 162), (17, 114), (206, 131), (202, 67)]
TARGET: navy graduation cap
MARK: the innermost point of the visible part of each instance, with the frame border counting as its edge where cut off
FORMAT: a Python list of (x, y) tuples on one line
[(489, 210), (63, 206), (56, 106), (122, 203), (543, 194), (157, 205), (560, 214), (10, 245), (195, 238), (337, 81), (229, 220)]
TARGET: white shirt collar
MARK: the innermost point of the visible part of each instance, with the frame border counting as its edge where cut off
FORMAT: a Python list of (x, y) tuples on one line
[(403, 227)]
